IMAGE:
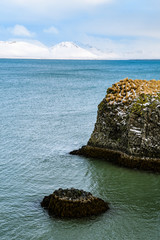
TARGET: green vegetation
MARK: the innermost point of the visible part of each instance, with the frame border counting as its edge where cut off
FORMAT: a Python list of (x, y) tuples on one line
[(143, 101)]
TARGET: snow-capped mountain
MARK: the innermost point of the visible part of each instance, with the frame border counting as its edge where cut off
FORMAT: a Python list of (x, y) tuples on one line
[(21, 49), (100, 54), (63, 50), (69, 50)]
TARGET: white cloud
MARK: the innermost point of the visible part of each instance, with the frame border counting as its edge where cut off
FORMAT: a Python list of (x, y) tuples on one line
[(54, 7), (55, 2), (121, 27), (20, 30), (51, 30)]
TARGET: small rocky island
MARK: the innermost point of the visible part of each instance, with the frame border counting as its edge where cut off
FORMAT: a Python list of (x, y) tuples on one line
[(73, 203), (127, 130)]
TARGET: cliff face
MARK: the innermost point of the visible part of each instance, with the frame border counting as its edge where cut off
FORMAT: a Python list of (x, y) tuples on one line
[(128, 119), (127, 130)]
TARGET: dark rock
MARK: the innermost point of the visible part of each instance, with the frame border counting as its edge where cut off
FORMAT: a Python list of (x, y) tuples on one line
[(73, 203), (127, 130)]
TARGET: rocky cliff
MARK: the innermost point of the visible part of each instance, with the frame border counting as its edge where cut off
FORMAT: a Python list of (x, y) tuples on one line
[(128, 125)]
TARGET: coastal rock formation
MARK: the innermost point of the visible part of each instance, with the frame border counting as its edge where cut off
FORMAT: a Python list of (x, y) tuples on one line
[(73, 203), (127, 130)]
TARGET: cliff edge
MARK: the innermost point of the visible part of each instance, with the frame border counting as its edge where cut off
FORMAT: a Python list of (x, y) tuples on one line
[(127, 130)]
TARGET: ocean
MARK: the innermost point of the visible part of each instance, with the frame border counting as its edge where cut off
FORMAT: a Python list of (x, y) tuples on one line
[(47, 109)]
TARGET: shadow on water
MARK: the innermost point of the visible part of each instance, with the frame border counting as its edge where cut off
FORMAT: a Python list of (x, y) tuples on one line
[(133, 196), (128, 186)]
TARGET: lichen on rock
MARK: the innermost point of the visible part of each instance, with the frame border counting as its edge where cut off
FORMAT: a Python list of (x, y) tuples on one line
[(128, 121)]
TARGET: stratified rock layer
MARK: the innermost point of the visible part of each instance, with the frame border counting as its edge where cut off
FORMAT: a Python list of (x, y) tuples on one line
[(127, 130), (73, 203)]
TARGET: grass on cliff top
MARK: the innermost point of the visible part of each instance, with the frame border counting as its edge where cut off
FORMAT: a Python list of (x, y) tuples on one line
[(126, 90)]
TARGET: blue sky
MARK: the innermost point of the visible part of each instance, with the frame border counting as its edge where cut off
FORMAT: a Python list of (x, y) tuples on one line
[(124, 26)]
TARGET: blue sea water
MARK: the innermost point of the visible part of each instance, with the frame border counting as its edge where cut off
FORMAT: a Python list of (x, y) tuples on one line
[(48, 108)]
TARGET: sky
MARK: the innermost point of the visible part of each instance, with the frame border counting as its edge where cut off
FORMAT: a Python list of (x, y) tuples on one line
[(129, 28)]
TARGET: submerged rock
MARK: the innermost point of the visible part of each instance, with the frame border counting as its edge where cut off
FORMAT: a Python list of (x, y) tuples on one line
[(73, 203), (127, 130)]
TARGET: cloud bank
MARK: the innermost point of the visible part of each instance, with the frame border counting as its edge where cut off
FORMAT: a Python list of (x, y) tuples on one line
[(55, 2), (50, 8)]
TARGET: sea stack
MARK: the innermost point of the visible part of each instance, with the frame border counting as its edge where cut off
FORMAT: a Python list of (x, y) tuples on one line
[(73, 203), (127, 130)]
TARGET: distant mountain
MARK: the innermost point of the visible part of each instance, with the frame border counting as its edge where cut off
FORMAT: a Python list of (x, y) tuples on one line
[(63, 50), (69, 50), (21, 49), (100, 54)]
